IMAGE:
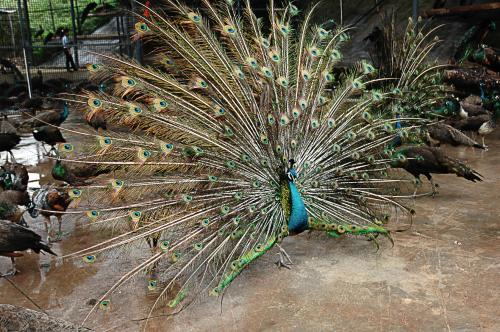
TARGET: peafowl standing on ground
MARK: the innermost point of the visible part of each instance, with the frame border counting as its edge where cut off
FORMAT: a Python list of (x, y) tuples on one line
[(13, 176), (54, 117), (424, 160), (76, 174), (9, 137), (234, 143), (15, 238), (443, 133), (50, 135)]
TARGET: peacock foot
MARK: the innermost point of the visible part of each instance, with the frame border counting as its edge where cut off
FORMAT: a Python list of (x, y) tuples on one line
[(59, 236), (9, 273), (284, 259)]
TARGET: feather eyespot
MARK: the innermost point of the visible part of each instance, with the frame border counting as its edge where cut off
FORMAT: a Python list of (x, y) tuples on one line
[(75, 193), (104, 304), (284, 29), (89, 259), (164, 246), (314, 51), (224, 209), (194, 17), (245, 158), (141, 27), (293, 10), (282, 81), (200, 83), (335, 55), (93, 214), (94, 103), (284, 120), (259, 247), (252, 62), (267, 72), (205, 222), (303, 103), (322, 33), (66, 147), (229, 30), (93, 66)]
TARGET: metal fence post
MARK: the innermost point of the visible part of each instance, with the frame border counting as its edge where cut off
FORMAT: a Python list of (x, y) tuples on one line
[(23, 43), (138, 43), (415, 13), (28, 32), (75, 36)]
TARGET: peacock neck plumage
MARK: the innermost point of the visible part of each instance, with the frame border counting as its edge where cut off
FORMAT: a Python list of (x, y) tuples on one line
[(293, 205), (65, 113), (59, 170)]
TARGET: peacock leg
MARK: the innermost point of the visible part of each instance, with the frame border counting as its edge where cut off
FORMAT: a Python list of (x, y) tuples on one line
[(14, 158), (59, 228), (48, 228), (485, 147), (284, 259), (434, 191), (153, 245), (12, 271), (417, 183)]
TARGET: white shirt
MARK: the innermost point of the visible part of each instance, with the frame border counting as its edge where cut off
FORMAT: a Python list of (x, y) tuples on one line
[(65, 42)]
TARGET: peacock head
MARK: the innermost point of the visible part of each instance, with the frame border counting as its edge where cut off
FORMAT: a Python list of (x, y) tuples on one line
[(452, 105), (291, 174)]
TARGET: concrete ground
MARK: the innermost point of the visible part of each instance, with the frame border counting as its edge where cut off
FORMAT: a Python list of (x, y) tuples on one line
[(442, 275)]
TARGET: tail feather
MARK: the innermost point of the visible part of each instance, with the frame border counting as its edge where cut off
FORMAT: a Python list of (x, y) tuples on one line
[(41, 246), (462, 170)]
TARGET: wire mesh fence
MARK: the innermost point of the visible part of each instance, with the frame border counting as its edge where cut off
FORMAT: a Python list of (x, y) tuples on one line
[(51, 35)]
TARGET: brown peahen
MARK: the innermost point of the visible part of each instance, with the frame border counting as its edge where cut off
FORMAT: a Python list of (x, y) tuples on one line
[(444, 133), (424, 160), (15, 238)]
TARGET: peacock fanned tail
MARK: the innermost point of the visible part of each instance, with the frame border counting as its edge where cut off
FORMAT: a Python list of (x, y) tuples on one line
[(204, 173)]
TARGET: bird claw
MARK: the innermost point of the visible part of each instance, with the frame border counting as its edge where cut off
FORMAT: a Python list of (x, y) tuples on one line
[(284, 259), (9, 273), (59, 236)]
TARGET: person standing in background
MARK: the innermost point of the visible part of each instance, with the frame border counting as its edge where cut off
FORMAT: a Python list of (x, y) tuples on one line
[(67, 51)]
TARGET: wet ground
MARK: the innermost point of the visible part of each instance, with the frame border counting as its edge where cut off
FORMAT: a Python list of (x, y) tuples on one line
[(442, 275)]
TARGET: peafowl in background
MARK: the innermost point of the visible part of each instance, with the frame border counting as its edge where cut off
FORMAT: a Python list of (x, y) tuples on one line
[(402, 57), (239, 136)]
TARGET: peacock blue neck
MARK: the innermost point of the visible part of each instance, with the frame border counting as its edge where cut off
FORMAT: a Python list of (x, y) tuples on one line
[(65, 113), (483, 94), (298, 221)]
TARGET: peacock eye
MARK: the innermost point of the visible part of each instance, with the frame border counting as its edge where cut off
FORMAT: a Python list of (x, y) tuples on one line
[(107, 141), (169, 146), (163, 103)]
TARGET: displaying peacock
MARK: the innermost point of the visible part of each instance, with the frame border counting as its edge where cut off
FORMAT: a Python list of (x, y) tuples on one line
[(239, 136), (403, 57)]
